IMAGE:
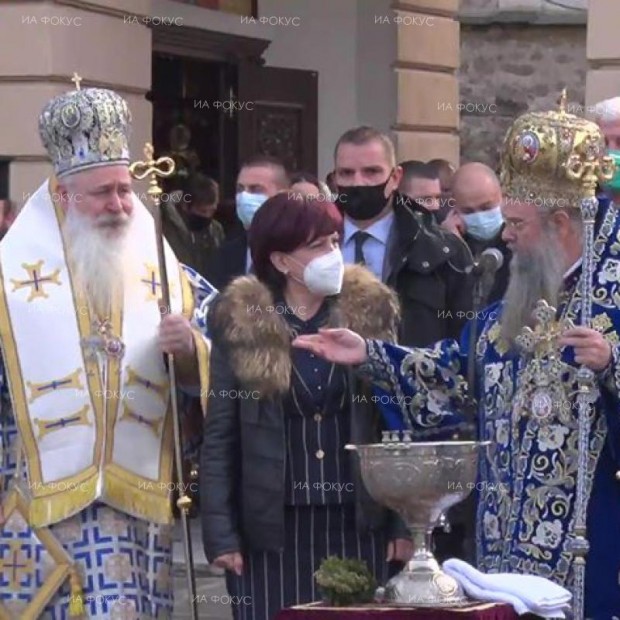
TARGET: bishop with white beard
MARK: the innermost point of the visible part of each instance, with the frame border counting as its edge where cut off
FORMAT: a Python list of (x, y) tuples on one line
[(88, 444)]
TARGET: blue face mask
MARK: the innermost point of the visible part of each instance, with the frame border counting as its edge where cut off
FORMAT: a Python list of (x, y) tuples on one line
[(484, 225), (247, 206)]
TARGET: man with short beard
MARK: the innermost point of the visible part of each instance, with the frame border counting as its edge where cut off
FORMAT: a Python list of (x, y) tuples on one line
[(527, 409), (86, 423)]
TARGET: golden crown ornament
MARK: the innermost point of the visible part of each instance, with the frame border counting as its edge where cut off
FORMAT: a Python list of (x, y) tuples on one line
[(85, 128), (553, 158)]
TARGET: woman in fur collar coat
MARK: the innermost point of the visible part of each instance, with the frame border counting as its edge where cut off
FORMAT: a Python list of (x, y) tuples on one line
[(279, 493)]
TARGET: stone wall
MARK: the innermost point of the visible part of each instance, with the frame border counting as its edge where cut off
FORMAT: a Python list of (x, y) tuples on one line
[(507, 69)]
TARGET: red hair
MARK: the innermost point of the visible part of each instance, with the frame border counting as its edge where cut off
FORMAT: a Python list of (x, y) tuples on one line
[(284, 223)]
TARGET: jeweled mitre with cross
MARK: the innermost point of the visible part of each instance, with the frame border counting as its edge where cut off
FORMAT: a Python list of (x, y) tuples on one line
[(553, 159), (90, 393)]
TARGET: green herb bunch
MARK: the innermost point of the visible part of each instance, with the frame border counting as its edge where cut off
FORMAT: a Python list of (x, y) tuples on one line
[(345, 582)]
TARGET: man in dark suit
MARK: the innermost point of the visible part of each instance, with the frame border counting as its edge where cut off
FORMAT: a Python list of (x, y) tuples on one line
[(260, 178), (399, 240), (476, 216)]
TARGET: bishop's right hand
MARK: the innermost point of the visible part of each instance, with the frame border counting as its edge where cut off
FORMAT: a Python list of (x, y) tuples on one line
[(341, 346)]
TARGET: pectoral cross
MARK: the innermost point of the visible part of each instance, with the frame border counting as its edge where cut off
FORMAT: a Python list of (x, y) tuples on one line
[(542, 341), (99, 347), (103, 341), (541, 392)]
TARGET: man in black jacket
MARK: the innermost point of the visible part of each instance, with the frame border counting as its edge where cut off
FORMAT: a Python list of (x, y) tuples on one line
[(399, 240), (189, 224)]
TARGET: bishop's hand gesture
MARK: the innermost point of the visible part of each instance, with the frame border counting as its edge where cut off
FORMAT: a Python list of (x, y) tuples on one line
[(341, 346)]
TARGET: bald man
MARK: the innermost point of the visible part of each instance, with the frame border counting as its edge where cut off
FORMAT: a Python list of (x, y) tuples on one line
[(477, 217)]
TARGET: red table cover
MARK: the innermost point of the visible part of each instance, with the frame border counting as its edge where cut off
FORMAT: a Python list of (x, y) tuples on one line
[(476, 611)]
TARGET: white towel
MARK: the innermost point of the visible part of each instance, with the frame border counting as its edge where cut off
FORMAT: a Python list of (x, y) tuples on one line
[(526, 593)]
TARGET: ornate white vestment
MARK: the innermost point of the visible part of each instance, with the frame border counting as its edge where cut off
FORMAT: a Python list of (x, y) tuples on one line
[(93, 426)]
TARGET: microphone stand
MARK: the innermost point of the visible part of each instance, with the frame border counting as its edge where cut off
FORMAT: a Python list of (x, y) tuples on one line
[(470, 433), (471, 402)]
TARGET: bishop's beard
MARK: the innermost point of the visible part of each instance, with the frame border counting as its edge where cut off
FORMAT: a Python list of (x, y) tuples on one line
[(535, 274), (100, 258)]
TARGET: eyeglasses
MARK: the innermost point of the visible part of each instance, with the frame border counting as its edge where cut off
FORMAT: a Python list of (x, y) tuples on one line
[(516, 224)]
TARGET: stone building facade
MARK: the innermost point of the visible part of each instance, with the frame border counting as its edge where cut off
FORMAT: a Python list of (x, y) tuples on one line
[(513, 61), (507, 69), (445, 77)]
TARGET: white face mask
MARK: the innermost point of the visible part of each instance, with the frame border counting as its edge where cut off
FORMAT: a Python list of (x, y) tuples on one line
[(323, 275)]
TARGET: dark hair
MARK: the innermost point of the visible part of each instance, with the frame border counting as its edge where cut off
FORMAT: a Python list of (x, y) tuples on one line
[(305, 177), (411, 162), (269, 161), (364, 135), (284, 223), (441, 165), (444, 170), (414, 169), (202, 190)]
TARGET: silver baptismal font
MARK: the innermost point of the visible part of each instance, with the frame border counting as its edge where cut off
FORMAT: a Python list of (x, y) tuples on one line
[(420, 481)]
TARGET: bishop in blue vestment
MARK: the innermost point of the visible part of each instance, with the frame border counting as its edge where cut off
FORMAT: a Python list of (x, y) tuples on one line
[(527, 485)]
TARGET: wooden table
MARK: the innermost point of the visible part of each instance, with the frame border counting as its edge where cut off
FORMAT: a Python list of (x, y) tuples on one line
[(476, 611)]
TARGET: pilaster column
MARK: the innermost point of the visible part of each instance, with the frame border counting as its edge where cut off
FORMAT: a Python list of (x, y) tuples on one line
[(603, 50), (428, 57)]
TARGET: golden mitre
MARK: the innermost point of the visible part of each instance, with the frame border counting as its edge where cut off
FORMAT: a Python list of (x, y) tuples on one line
[(554, 159)]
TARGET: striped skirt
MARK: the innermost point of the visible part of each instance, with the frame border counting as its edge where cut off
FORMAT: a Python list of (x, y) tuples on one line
[(272, 581)]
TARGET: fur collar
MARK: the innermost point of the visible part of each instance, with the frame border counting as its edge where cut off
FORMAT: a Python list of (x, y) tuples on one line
[(258, 342)]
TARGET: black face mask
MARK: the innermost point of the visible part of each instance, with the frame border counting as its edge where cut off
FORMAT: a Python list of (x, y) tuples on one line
[(417, 206), (442, 213), (362, 202), (197, 223)]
